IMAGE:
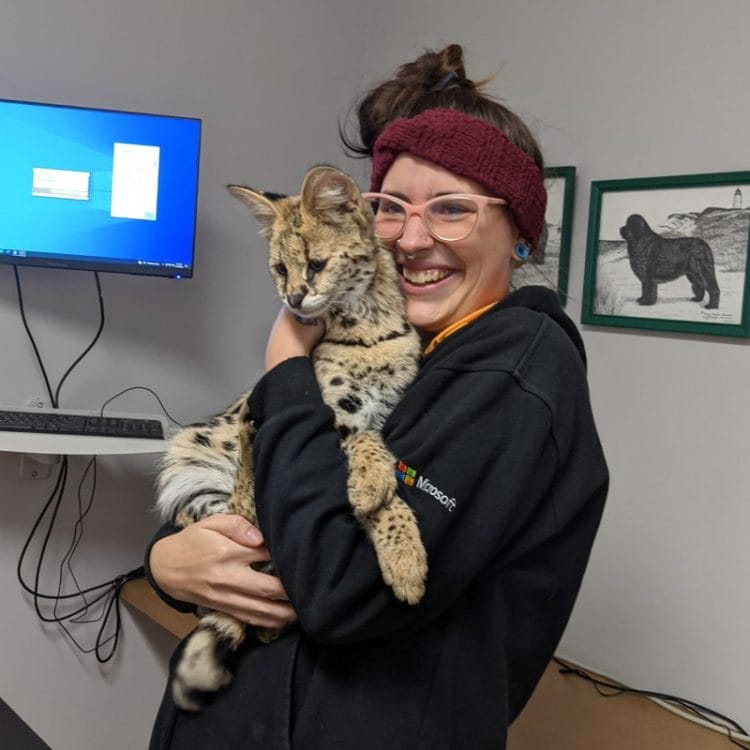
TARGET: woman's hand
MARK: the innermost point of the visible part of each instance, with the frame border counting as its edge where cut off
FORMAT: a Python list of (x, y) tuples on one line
[(290, 338), (208, 564)]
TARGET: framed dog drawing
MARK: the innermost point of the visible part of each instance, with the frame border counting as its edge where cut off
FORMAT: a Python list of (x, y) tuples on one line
[(669, 254), (549, 264)]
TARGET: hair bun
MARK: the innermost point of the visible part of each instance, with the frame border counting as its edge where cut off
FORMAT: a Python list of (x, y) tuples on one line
[(435, 80), (435, 71)]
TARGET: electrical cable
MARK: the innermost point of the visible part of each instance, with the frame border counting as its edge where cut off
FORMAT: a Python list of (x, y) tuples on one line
[(111, 588), (141, 388), (77, 535), (689, 710), (31, 336), (108, 592), (98, 333)]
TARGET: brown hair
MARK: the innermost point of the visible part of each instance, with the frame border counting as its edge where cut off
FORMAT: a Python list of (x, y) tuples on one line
[(436, 79)]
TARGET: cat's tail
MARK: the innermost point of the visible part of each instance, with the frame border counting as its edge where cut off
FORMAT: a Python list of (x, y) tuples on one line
[(203, 667)]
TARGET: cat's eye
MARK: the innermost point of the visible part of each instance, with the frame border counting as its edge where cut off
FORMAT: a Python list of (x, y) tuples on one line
[(280, 269), (316, 265)]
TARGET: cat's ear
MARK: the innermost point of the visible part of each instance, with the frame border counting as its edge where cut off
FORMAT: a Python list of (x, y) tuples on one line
[(329, 193), (263, 205)]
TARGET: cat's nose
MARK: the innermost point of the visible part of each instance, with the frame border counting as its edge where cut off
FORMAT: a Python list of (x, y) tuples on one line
[(295, 300)]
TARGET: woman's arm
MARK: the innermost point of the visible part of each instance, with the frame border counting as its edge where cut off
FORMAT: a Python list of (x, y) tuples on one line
[(208, 563)]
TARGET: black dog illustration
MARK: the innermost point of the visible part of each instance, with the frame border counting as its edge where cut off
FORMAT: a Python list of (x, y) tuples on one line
[(656, 259)]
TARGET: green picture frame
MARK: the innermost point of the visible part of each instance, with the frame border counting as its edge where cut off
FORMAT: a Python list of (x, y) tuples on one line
[(669, 254), (550, 264)]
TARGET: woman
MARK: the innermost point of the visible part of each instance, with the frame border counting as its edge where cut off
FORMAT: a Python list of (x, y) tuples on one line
[(508, 479)]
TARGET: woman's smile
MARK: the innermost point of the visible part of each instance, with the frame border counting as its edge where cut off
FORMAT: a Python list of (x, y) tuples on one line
[(421, 279)]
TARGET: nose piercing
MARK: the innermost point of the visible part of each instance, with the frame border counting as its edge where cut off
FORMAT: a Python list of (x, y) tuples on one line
[(408, 256)]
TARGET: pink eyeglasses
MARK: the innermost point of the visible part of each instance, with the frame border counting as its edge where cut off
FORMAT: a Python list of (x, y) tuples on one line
[(447, 218)]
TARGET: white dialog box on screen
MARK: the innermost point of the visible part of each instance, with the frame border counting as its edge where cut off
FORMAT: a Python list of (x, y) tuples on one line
[(60, 183), (135, 181)]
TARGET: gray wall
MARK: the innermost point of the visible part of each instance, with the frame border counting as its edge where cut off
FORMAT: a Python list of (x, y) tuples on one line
[(651, 88)]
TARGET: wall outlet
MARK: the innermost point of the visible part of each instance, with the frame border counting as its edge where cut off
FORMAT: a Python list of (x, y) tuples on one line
[(37, 465)]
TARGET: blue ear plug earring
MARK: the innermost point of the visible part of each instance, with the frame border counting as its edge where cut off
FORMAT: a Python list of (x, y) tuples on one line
[(521, 252)]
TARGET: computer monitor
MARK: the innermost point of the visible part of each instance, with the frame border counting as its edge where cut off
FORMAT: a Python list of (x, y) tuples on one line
[(99, 190)]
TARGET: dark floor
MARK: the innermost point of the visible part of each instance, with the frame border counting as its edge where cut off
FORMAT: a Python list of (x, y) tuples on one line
[(15, 734)]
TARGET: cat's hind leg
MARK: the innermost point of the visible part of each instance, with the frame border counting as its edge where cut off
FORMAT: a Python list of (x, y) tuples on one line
[(204, 666)]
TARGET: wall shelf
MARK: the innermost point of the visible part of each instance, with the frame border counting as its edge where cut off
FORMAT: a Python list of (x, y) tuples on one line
[(79, 445), (76, 445)]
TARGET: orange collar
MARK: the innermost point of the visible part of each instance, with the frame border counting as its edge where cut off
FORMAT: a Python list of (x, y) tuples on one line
[(453, 327)]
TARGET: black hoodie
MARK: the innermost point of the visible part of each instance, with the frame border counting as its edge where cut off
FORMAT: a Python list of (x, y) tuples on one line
[(508, 482)]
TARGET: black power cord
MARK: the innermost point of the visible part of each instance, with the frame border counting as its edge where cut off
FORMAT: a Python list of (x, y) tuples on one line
[(141, 388), (107, 594), (55, 397), (609, 689)]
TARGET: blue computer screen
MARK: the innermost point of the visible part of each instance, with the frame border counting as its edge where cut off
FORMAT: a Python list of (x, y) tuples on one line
[(98, 189)]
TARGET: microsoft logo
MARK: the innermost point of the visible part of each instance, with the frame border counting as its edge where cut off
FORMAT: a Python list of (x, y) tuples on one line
[(410, 478), (405, 474)]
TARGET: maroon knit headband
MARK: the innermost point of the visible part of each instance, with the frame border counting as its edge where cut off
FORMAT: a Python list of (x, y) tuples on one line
[(471, 148)]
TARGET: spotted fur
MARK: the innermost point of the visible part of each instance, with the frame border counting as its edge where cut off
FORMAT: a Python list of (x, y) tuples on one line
[(327, 266)]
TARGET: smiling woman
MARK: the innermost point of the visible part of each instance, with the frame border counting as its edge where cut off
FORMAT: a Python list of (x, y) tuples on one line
[(496, 451)]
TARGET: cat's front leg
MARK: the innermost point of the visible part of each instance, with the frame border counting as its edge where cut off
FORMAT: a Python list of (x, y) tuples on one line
[(402, 558), (389, 522), (372, 478)]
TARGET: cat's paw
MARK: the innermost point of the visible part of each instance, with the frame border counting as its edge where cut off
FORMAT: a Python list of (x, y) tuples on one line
[(401, 555), (406, 575)]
